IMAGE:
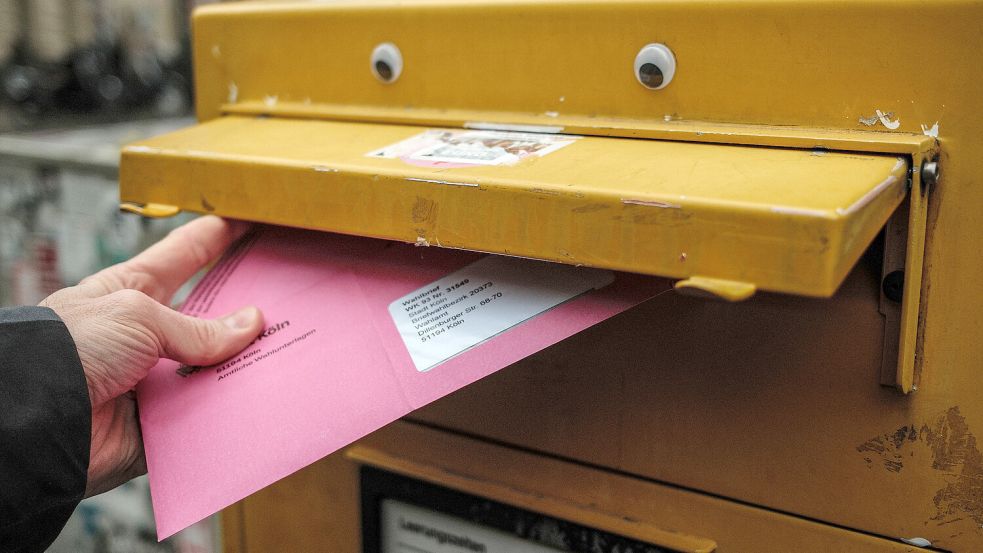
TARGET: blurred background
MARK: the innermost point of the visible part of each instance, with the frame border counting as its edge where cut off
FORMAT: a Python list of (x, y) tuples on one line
[(79, 78)]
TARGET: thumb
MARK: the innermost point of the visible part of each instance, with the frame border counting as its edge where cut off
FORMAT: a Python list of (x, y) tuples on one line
[(195, 341)]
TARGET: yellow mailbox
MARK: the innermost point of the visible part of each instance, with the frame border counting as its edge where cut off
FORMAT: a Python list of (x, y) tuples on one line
[(786, 156)]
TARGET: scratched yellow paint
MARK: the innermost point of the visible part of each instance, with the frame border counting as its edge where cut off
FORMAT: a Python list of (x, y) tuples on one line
[(777, 219)]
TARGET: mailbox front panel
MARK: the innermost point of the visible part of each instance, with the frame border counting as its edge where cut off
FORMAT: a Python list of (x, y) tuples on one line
[(775, 404)]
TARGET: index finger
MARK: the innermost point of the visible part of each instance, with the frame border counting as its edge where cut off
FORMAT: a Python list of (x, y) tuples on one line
[(162, 268)]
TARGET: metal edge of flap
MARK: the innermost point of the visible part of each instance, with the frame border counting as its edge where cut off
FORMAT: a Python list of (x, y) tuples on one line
[(656, 129)]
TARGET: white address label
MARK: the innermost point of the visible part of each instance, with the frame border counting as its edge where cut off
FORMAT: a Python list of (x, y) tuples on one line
[(482, 300)]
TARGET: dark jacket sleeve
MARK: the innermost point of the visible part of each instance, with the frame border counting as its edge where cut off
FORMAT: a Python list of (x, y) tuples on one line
[(45, 425)]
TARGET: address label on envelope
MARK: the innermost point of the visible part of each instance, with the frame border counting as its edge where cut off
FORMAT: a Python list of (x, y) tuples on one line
[(487, 297)]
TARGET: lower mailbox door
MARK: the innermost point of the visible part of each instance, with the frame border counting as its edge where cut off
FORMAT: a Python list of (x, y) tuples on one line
[(407, 515), (785, 220)]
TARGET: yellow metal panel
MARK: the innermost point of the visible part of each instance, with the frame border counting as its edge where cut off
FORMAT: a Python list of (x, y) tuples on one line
[(810, 63), (317, 508), (777, 219)]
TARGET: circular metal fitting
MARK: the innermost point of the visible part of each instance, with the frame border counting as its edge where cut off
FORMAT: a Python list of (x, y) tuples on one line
[(930, 173), (893, 286)]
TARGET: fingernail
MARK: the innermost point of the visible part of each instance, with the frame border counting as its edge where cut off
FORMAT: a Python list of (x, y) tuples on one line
[(243, 318)]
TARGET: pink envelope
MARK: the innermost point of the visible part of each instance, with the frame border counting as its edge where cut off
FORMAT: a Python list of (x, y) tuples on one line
[(359, 333)]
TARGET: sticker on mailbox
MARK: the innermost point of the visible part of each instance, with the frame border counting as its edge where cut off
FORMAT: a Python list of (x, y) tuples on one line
[(452, 148)]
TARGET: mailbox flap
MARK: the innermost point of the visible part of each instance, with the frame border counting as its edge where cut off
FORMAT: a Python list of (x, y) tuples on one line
[(744, 217)]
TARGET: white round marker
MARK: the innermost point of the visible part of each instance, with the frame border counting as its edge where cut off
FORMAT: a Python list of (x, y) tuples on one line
[(655, 66)]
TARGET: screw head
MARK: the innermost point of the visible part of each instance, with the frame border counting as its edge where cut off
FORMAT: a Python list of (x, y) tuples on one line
[(893, 286)]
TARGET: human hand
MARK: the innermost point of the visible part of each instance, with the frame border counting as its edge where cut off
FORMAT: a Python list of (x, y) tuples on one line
[(122, 326)]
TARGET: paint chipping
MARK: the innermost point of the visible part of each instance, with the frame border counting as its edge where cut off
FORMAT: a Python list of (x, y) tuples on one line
[(882, 118), (650, 203), (447, 182), (917, 542), (589, 208), (954, 453), (932, 131), (869, 121), (216, 51), (682, 257), (323, 169), (270, 101), (893, 466), (563, 99), (233, 92), (551, 113), (421, 242), (206, 205), (424, 210), (886, 447), (886, 121)]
